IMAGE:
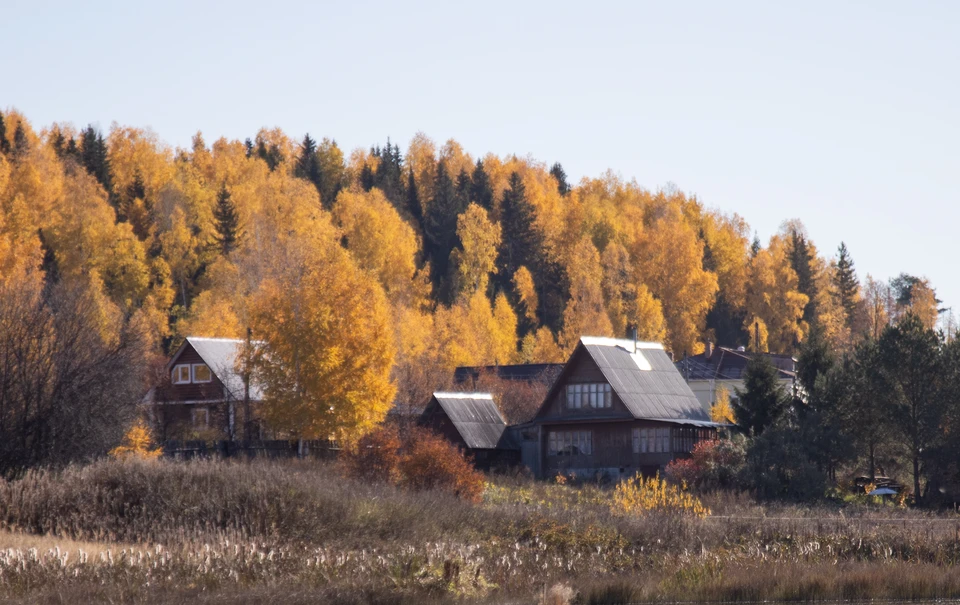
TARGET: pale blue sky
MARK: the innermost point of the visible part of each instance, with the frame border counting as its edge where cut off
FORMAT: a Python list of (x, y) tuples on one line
[(844, 114)]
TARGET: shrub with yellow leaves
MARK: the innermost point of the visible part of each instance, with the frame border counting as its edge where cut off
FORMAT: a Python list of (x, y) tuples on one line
[(136, 444), (639, 495)]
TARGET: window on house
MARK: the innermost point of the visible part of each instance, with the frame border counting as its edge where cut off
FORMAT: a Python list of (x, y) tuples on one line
[(201, 373), (651, 441), (592, 395), (684, 439), (570, 443), (181, 374), (200, 418)]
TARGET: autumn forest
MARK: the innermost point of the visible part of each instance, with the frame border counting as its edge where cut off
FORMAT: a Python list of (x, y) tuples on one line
[(398, 264)]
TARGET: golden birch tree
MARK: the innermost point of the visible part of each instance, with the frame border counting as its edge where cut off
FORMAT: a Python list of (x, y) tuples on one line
[(477, 259), (669, 258), (326, 344)]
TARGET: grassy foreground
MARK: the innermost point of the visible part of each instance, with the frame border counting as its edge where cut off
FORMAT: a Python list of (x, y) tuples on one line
[(302, 533)]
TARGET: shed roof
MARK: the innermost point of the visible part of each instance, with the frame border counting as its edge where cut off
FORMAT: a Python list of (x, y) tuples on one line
[(220, 355), (475, 416)]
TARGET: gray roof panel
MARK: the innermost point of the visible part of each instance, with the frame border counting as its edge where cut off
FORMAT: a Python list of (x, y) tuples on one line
[(220, 354), (646, 381), (475, 416)]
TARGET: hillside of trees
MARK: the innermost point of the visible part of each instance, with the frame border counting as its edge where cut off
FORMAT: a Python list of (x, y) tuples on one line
[(373, 273)]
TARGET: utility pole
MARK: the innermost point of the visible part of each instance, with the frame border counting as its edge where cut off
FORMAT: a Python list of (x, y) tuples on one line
[(247, 417)]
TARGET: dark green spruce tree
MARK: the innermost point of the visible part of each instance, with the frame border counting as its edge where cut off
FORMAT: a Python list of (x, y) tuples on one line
[(762, 402), (801, 260), (412, 201), (440, 229), (822, 413), (307, 165), (464, 187), (332, 172), (523, 247), (59, 143), (846, 283), (21, 145), (4, 143), (226, 222), (270, 154), (522, 242), (558, 173), (389, 176), (480, 190), (367, 177), (94, 157)]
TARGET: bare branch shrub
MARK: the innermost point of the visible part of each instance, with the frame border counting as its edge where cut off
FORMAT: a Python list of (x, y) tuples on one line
[(70, 377)]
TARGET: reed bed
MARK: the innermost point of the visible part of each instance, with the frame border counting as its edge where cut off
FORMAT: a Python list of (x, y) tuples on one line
[(155, 531)]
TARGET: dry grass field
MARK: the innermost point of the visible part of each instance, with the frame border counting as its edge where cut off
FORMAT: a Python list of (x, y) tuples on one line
[(290, 532)]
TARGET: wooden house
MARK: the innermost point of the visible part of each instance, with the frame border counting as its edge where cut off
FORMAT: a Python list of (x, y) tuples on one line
[(204, 393), (617, 408), (722, 366)]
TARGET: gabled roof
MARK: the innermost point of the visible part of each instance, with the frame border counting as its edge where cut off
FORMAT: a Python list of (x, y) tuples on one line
[(643, 377), (220, 355), (730, 364), (475, 416)]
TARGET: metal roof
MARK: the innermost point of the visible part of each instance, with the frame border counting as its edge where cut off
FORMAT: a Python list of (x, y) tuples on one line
[(728, 364), (645, 379), (475, 416), (220, 355)]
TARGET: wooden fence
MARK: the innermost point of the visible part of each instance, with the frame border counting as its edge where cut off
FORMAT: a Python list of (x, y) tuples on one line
[(188, 450)]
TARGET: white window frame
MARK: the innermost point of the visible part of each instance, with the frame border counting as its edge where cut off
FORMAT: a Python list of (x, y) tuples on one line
[(175, 376), (196, 413), (594, 395), (193, 373)]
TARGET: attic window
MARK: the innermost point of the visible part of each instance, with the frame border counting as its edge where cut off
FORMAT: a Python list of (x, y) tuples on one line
[(201, 373), (181, 374), (590, 395)]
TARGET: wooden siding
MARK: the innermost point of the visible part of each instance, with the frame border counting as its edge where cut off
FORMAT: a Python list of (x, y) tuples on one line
[(175, 420), (207, 391), (612, 449), (582, 369)]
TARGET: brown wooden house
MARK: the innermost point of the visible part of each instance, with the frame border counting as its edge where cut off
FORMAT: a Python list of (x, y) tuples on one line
[(617, 408), (204, 394)]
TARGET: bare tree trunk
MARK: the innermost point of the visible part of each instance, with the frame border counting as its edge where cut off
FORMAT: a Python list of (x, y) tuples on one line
[(916, 479)]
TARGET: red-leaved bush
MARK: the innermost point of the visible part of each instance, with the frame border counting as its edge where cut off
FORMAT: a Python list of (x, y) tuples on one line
[(712, 464), (420, 459)]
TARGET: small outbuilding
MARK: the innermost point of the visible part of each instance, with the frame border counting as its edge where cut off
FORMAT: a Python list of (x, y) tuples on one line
[(473, 422)]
